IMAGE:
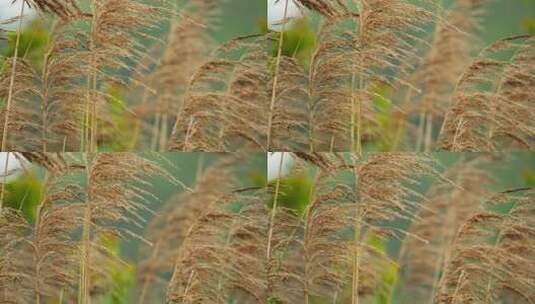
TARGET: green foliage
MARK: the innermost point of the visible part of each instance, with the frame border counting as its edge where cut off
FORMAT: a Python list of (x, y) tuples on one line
[(24, 194), (294, 192), (262, 25), (386, 123), (529, 24), (32, 45), (389, 274), (528, 175), (123, 274), (298, 42), (121, 120)]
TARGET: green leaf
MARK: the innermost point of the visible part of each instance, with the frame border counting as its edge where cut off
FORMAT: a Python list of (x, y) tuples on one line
[(32, 45), (24, 194), (298, 42), (294, 192)]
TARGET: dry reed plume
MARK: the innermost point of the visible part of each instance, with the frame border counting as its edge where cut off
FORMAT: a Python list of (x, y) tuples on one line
[(378, 77), (218, 242), (228, 254), (60, 251)]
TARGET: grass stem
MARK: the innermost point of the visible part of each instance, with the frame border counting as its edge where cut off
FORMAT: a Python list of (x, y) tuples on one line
[(12, 77), (275, 78)]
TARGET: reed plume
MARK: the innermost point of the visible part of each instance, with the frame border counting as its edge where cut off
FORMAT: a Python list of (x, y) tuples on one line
[(49, 258), (450, 53), (323, 250), (382, 187), (240, 249), (220, 254), (493, 252), (326, 8), (40, 259), (20, 120), (171, 225), (116, 193), (66, 9), (10, 87), (187, 48), (47, 102), (491, 107), (225, 105), (113, 44), (355, 52), (451, 204)]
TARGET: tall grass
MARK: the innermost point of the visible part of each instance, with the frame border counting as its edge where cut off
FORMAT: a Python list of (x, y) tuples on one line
[(222, 241), (382, 76)]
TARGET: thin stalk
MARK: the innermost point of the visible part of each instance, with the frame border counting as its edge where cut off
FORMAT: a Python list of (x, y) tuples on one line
[(353, 117), (155, 132), (356, 106), (361, 86), (190, 126), (272, 222), (94, 123), (459, 281), (37, 231), (356, 260), (356, 245), (275, 78), (188, 284), (84, 297), (421, 131), (89, 130), (306, 239), (494, 111), (163, 131), (331, 145), (44, 99), (428, 133), (12, 77), (311, 74), (200, 166), (446, 245), (356, 139), (335, 297), (425, 126), (61, 292), (274, 209), (494, 245), (165, 108), (180, 112)]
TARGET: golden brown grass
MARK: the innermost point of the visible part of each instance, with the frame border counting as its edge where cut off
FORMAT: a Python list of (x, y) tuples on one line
[(217, 241), (182, 92)]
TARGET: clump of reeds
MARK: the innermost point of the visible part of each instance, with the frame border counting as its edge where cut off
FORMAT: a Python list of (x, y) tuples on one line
[(377, 77), (60, 253), (221, 241), (248, 247)]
